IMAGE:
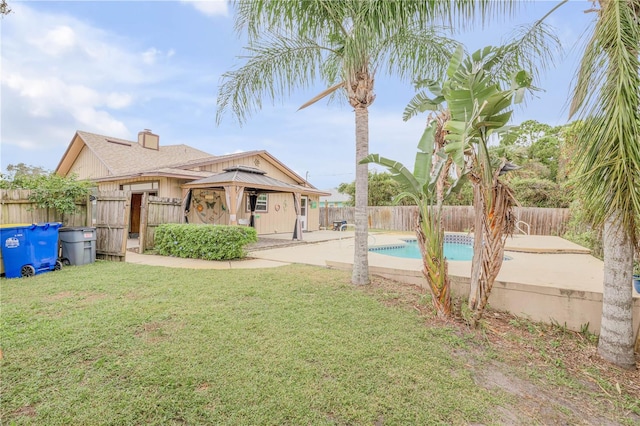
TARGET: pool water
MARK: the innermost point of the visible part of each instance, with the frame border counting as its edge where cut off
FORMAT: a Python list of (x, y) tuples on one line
[(410, 250)]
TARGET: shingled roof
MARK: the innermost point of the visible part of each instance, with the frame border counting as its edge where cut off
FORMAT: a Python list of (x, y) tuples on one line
[(252, 179), (122, 157)]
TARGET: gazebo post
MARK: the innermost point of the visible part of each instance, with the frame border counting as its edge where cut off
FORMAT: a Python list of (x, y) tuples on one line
[(233, 195)]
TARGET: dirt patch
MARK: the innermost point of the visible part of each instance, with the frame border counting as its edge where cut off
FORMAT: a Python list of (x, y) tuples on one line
[(85, 297), (157, 331), (202, 387), (552, 375), (151, 332), (27, 411), (89, 298), (59, 296)]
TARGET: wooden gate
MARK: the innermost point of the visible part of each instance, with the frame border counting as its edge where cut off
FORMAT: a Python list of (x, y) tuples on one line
[(156, 211), (112, 225)]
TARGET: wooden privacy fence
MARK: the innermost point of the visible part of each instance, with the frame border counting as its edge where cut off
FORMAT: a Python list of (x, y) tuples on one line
[(540, 221), (156, 211), (110, 210), (16, 208)]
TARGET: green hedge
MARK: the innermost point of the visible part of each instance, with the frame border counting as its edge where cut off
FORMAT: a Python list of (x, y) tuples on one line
[(209, 242)]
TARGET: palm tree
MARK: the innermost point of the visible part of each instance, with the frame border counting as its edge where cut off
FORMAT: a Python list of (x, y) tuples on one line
[(344, 43), (607, 97)]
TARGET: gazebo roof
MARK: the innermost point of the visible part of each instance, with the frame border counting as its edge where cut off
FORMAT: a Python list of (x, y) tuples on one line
[(251, 179)]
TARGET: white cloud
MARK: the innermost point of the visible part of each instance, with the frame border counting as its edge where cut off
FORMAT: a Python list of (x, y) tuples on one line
[(151, 55), (57, 40), (100, 122), (210, 7), (62, 74), (118, 100)]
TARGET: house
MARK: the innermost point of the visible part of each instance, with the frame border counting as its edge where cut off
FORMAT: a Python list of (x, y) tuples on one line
[(334, 199), (252, 188)]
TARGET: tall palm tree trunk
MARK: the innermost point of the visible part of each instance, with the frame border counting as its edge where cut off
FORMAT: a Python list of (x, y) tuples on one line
[(616, 330), (360, 94), (360, 275)]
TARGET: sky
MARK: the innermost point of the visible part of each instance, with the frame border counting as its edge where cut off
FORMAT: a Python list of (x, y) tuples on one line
[(118, 67)]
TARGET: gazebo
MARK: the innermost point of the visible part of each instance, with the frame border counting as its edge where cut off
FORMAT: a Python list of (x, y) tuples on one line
[(237, 180)]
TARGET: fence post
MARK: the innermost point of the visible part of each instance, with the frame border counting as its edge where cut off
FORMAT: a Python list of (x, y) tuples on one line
[(144, 220)]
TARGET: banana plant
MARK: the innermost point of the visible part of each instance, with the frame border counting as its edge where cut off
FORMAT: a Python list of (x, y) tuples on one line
[(420, 185), (478, 108)]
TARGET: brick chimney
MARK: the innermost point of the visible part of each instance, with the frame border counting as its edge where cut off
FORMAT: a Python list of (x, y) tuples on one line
[(146, 139)]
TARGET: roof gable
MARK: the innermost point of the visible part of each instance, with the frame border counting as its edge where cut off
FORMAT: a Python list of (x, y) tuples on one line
[(239, 155), (123, 157)]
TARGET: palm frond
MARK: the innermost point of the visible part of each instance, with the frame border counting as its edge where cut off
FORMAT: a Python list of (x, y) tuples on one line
[(531, 47), (607, 98), (421, 102), (275, 67), (398, 172), (413, 52), (322, 95)]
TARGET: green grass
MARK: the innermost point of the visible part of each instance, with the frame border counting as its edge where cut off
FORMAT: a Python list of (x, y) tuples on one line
[(115, 343)]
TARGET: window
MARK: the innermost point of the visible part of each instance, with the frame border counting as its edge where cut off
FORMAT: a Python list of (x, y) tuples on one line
[(261, 204), (140, 186)]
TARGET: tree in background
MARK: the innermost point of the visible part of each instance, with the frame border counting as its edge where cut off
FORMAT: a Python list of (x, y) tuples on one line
[(536, 143), (542, 177), (344, 44), (17, 172), (383, 189), (607, 98)]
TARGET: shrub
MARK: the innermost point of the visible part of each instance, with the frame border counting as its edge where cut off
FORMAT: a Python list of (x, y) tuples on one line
[(580, 231), (208, 242), (48, 190), (535, 192)]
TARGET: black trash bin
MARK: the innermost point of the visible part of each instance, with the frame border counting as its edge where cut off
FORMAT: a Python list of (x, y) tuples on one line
[(78, 245)]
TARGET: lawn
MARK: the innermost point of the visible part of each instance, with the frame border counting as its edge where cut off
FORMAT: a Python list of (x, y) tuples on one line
[(116, 343)]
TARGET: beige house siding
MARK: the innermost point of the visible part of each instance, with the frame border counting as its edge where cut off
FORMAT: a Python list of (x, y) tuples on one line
[(313, 215), (108, 186), (88, 166)]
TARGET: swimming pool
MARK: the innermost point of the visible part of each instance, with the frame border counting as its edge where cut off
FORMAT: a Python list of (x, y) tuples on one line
[(456, 247)]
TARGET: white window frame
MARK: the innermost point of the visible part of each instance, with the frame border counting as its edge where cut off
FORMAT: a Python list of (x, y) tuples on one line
[(262, 205)]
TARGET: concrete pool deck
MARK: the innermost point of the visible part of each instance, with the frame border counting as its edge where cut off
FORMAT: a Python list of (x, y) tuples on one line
[(546, 278)]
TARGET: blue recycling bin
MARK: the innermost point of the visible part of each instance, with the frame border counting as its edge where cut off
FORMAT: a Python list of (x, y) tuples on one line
[(28, 250)]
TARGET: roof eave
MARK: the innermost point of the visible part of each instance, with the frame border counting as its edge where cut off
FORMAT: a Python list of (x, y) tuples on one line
[(151, 175), (266, 188)]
